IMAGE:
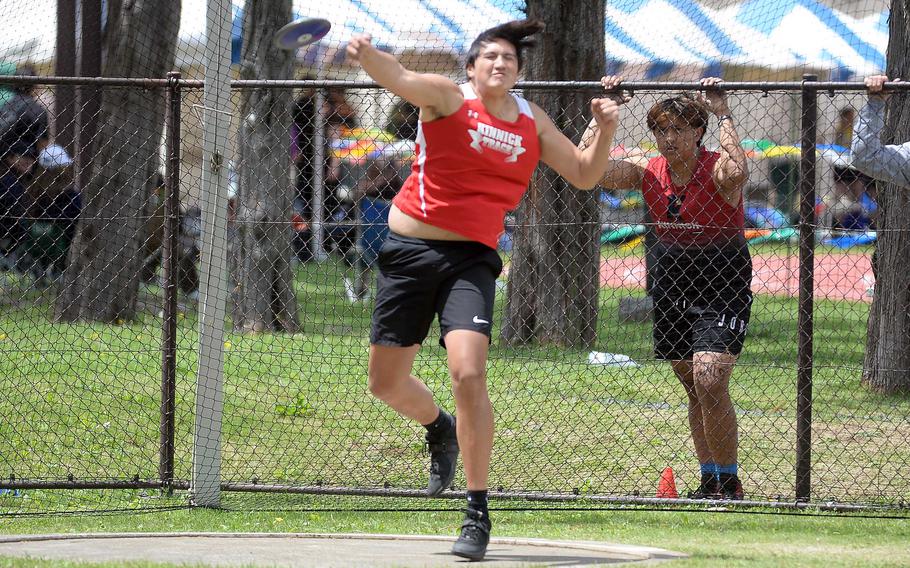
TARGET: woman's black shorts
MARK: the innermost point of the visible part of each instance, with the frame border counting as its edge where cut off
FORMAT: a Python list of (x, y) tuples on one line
[(419, 279), (702, 300)]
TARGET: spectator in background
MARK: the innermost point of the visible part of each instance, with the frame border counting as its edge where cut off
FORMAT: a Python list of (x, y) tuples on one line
[(851, 204), (23, 119), (303, 149), (375, 191), (403, 121), (23, 123), (338, 196), (843, 128), (886, 162), (55, 207), (187, 250), (338, 118)]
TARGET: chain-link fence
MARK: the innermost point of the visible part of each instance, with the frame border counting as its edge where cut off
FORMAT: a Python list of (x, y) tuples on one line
[(101, 292)]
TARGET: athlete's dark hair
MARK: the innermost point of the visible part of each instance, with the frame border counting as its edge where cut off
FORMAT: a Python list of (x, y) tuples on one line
[(516, 32), (685, 107)]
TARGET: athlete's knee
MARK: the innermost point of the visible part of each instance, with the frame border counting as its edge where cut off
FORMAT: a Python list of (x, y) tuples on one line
[(711, 383), (711, 371), (711, 392), (468, 380), (382, 384)]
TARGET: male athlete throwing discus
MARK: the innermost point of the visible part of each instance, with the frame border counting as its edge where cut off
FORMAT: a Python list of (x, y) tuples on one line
[(477, 146), (702, 271)]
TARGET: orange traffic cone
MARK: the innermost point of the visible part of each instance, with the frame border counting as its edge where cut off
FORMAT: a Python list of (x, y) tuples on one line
[(666, 487)]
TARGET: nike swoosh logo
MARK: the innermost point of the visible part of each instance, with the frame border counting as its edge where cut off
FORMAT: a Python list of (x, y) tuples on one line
[(478, 320)]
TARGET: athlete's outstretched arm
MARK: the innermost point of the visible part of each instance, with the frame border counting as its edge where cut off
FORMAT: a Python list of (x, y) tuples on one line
[(618, 174), (583, 168), (626, 173), (436, 93)]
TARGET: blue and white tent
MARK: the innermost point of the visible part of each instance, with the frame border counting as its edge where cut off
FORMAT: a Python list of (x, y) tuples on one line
[(651, 36), (762, 33), (790, 33)]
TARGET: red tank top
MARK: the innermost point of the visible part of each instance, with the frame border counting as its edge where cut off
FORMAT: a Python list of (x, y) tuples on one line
[(695, 214), (470, 168)]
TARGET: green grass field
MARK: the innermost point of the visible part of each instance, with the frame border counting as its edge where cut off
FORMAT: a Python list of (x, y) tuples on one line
[(83, 400)]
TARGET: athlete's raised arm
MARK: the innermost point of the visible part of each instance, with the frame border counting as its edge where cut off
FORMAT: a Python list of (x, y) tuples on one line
[(618, 174), (583, 168), (436, 95)]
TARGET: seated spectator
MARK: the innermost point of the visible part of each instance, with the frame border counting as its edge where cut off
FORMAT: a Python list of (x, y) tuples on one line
[(852, 205), (55, 207)]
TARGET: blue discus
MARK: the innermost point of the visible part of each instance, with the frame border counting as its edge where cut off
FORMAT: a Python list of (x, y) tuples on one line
[(301, 32)]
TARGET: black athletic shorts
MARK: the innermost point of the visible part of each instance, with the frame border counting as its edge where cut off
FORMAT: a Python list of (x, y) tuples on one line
[(419, 279), (702, 300)]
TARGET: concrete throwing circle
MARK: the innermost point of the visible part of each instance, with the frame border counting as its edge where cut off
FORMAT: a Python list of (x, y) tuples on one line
[(317, 550)]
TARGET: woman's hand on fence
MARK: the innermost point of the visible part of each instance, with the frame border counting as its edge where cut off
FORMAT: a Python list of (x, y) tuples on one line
[(715, 98), (611, 86)]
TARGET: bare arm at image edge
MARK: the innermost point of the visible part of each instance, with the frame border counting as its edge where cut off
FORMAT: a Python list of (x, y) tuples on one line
[(887, 162)]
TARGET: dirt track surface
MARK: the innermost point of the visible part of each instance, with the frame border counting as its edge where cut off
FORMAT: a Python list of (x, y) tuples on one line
[(837, 276)]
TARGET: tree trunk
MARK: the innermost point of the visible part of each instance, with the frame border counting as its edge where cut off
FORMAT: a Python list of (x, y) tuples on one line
[(263, 292), (101, 280), (886, 368), (554, 276)]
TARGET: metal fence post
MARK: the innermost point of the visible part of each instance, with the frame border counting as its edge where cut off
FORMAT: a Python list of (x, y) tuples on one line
[(168, 264), (206, 483), (317, 220), (808, 141)]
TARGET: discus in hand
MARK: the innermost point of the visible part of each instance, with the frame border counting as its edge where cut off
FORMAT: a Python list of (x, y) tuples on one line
[(301, 32)]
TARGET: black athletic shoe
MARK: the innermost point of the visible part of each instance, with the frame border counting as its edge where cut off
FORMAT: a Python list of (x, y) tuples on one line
[(709, 488), (475, 535), (443, 450), (730, 487)]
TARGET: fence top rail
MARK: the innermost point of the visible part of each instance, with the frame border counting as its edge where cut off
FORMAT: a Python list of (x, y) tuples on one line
[(153, 83), (145, 83)]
